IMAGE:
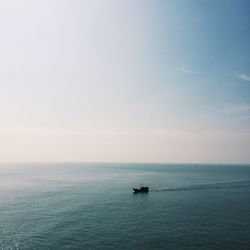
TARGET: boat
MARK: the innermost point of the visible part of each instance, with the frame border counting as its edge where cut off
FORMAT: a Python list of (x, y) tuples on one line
[(142, 189)]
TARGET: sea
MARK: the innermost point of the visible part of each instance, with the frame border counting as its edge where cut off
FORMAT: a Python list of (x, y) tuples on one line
[(92, 206)]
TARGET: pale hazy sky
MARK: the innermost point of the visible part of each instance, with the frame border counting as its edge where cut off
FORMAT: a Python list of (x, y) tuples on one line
[(125, 81)]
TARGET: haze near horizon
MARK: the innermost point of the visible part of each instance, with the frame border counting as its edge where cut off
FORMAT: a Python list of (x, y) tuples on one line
[(125, 81)]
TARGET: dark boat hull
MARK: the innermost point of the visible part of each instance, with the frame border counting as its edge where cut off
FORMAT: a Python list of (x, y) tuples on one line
[(141, 190)]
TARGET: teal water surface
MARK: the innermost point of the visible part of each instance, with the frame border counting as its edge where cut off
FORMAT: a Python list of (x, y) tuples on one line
[(91, 206)]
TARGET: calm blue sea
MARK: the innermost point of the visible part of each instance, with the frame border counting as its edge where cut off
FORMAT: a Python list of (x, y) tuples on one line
[(91, 206)]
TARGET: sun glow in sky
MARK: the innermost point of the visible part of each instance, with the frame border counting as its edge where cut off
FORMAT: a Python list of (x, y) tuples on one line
[(125, 81)]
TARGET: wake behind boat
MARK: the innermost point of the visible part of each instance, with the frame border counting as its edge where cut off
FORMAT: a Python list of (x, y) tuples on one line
[(142, 189)]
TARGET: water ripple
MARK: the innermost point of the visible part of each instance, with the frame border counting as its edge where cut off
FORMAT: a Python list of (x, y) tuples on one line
[(221, 185)]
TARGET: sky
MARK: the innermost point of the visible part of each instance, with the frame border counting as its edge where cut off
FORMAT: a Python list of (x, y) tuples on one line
[(125, 81)]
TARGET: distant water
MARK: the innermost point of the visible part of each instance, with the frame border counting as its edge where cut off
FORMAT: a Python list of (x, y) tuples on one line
[(91, 206)]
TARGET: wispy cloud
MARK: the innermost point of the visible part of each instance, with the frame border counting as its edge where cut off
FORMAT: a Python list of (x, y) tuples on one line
[(189, 71), (237, 108), (244, 77)]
